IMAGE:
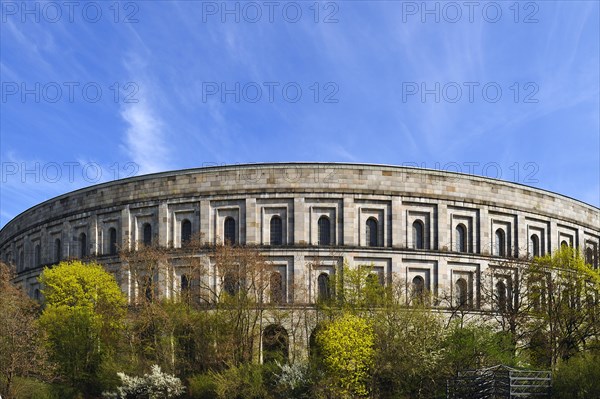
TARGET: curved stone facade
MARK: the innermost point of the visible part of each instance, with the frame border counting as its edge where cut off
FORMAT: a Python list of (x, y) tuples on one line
[(420, 225)]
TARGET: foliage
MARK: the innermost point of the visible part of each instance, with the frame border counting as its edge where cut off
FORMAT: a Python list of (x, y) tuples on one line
[(475, 346), (347, 346), (22, 350), (240, 382), (156, 385), (409, 352), (569, 314), (294, 380), (202, 386), (82, 318), (577, 378)]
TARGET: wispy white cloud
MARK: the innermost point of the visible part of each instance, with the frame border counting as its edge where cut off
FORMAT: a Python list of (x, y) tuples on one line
[(144, 138)]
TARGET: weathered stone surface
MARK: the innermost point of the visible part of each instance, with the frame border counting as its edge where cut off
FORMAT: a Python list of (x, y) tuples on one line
[(347, 194)]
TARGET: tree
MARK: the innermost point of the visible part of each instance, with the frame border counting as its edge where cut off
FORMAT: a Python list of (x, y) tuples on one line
[(347, 346), (570, 310), (409, 351), (22, 350), (82, 318)]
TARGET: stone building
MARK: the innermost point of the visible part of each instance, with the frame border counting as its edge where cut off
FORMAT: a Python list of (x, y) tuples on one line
[(435, 230)]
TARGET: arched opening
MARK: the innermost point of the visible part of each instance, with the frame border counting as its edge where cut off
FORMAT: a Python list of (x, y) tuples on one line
[(112, 241), (461, 238), (185, 283), (501, 295), (418, 289), (186, 232), (499, 243), (230, 284), (37, 295), (534, 245), (323, 287), (371, 232), (564, 244), (589, 256), (83, 245), (21, 261), (324, 231), (462, 293), (418, 235), (147, 234), (38, 255), (276, 285), (276, 231), (275, 345), (57, 250), (229, 229)]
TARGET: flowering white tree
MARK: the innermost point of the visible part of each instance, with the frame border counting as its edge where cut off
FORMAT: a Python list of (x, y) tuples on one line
[(156, 385)]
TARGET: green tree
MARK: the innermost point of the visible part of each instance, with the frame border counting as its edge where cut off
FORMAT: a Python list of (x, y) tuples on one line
[(82, 318), (409, 352), (347, 347), (569, 312)]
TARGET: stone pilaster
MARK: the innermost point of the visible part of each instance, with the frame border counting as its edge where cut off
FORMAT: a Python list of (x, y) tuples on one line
[(484, 239), (349, 222), (300, 222), (127, 235), (398, 240), (251, 222), (164, 238)]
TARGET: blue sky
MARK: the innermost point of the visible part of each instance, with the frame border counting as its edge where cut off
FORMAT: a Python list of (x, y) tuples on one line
[(99, 90)]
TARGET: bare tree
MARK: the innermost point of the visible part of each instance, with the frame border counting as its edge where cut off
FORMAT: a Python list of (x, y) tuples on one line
[(22, 349)]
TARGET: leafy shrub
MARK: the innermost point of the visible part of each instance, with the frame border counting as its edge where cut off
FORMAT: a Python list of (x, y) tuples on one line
[(202, 386), (577, 378)]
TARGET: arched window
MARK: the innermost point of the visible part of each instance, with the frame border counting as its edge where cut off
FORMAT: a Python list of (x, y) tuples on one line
[(185, 283), (147, 234), (276, 231), (276, 285), (57, 250), (229, 228), (499, 243), (501, 295), (324, 288), (418, 289), (83, 245), (38, 255), (275, 344), (461, 238), (112, 241), (418, 235), (534, 245), (324, 231), (589, 256), (186, 232), (230, 284), (564, 244), (462, 292), (371, 232)]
